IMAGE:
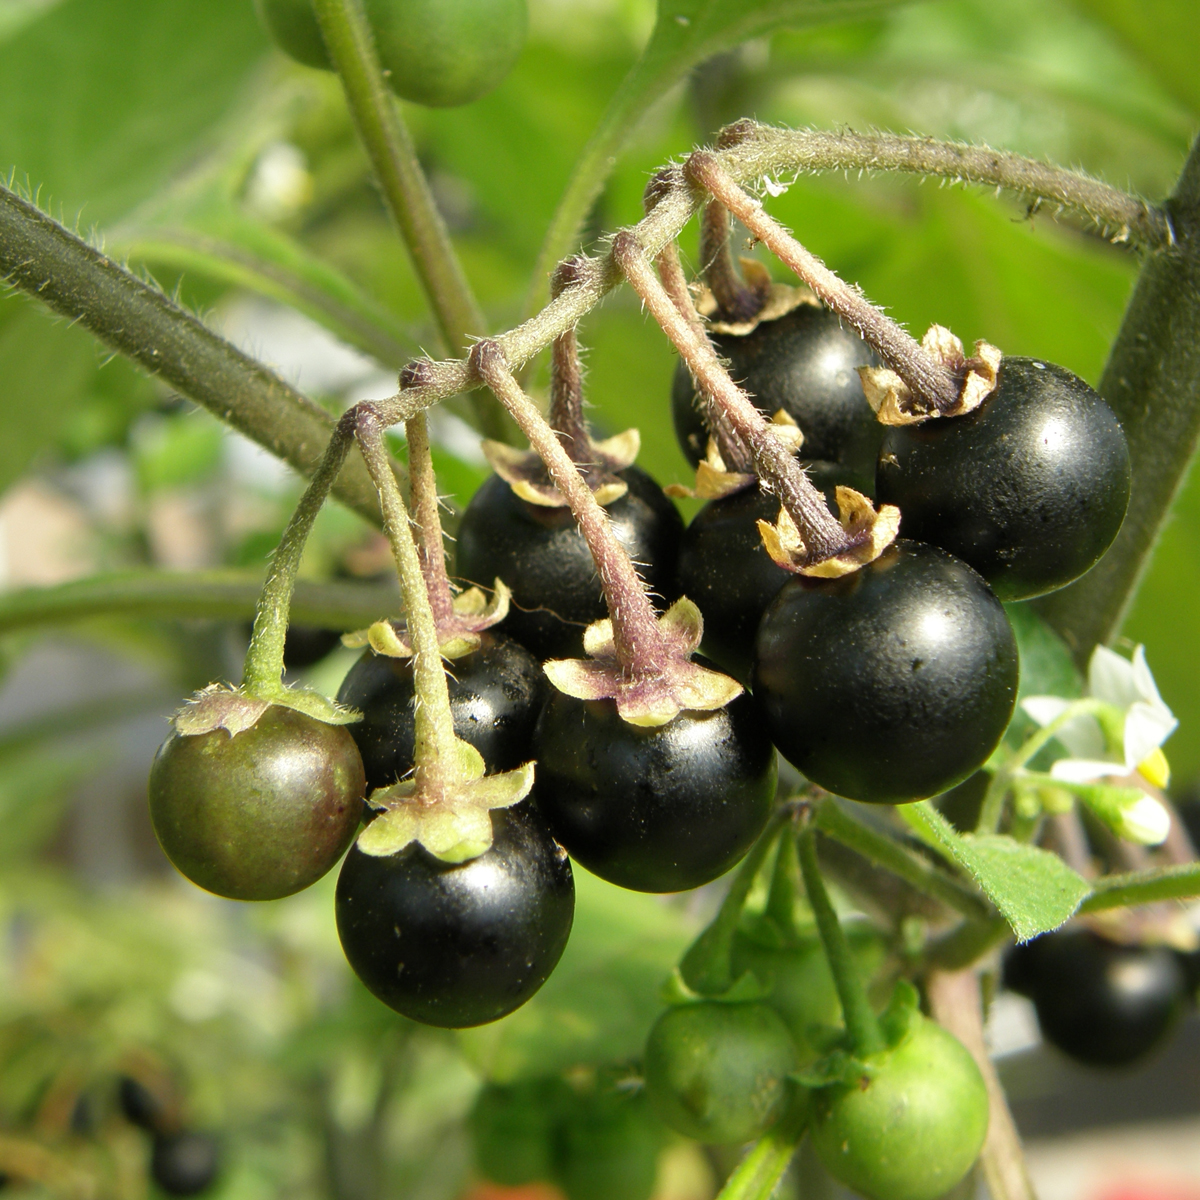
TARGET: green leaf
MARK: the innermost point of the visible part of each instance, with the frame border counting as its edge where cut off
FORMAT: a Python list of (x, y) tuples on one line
[(1164, 34), (604, 994), (101, 100), (1034, 890), (1144, 887), (1047, 668)]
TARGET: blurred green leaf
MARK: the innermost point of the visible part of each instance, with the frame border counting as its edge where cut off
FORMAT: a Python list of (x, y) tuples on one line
[(604, 994), (1034, 890), (101, 100), (1164, 34), (35, 783), (1047, 668)]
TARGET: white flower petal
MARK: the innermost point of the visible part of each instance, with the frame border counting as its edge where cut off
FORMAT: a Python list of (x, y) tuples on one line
[(1044, 709), (1147, 726), (1146, 822), (1111, 678), (1083, 770), (1143, 681)]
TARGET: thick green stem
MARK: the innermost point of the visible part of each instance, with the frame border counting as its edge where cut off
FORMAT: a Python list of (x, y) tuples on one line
[(866, 1037), (1181, 882), (435, 751), (785, 886), (880, 849), (992, 808), (758, 1174), (707, 967), (175, 595), (1152, 382), (263, 671), (76, 281), (403, 184)]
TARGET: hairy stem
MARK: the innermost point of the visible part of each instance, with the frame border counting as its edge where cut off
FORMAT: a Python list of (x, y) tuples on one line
[(639, 645), (899, 349), (566, 397), (1120, 216), (957, 1005), (736, 300), (823, 536), (422, 486), (866, 1037), (733, 451), (435, 750), (263, 670), (42, 258), (1152, 382), (832, 820), (403, 184)]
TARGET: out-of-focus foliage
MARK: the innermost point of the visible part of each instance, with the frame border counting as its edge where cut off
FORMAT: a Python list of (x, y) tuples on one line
[(171, 129)]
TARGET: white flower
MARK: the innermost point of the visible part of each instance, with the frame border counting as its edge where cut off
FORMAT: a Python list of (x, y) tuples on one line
[(1127, 686)]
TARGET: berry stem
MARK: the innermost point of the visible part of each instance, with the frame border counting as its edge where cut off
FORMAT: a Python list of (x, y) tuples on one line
[(262, 673), (866, 1037), (566, 398), (823, 535), (785, 883), (405, 189), (640, 648), (898, 348), (757, 1176), (435, 750), (422, 484), (736, 299), (733, 451), (707, 966)]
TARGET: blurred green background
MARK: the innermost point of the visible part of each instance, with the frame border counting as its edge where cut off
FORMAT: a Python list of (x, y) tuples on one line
[(170, 133)]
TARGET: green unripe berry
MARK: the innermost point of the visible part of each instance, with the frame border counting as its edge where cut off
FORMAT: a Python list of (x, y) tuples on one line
[(719, 1072), (912, 1127), (439, 53)]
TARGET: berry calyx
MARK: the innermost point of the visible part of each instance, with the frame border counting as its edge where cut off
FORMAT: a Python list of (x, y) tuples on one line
[(1030, 488)]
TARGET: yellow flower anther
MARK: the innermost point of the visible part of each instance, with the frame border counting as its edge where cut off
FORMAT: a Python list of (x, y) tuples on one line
[(1155, 769)]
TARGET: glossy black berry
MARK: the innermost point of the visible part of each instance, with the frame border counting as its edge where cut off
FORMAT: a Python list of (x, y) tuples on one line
[(459, 945), (541, 555), (140, 1106), (1102, 1003), (890, 684), (805, 363), (184, 1164), (654, 809), (305, 645), (495, 695), (1030, 489), (261, 814), (725, 570)]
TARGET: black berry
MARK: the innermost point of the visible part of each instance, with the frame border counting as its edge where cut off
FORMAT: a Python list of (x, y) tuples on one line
[(184, 1164)]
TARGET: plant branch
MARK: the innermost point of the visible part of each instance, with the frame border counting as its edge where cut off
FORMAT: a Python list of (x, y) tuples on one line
[(759, 1173), (405, 190), (1120, 216), (1152, 382), (423, 493), (749, 153), (435, 753), (165, 595), (1180, 882), (39, 256), (957, 1005), (833, 820), (898, 348), (263, 671)]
